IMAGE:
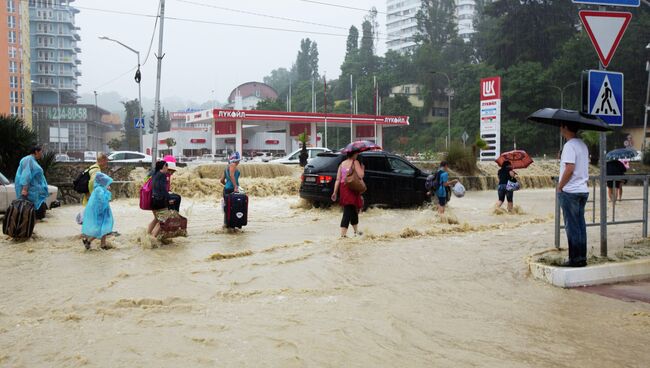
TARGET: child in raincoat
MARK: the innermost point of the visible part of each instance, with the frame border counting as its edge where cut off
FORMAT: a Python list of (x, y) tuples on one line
[(98, 217)]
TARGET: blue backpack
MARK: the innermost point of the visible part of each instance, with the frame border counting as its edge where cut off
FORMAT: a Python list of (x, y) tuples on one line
[(433, 182)]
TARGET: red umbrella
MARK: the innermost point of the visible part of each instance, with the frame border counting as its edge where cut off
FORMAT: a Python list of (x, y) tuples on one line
[(360, 146), (518, 159)]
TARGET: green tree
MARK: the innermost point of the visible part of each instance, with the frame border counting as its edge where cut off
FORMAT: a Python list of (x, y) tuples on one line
[(436, 22), (164, 121), (132, 135), (279, 80), (271, 104), (512, 31), (367, 58), (16, 138), (115, 144)]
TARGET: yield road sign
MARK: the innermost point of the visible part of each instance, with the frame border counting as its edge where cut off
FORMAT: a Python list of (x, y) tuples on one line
[(605, 30), (138, 123), (605, 96), (634, 3)]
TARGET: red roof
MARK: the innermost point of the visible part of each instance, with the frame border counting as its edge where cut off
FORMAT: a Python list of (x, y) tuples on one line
[(258, 89)]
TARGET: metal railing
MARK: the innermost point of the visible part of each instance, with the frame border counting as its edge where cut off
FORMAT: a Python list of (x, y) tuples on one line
[(645, 179)]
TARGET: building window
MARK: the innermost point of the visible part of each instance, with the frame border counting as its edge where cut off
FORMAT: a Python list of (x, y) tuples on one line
[(12, 67), (13, 81), (12, 52), (13, 96), (407, 90), (14, 110), (12, 36), (10, 6), (11, 21)]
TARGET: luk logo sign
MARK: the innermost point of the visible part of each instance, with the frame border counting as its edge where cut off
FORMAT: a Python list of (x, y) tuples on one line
[(491, 88), (232, 114)]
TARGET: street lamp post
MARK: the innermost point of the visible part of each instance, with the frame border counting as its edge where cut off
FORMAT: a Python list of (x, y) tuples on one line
[(137, 79), (450, 93), (58, 107), (562, 100)]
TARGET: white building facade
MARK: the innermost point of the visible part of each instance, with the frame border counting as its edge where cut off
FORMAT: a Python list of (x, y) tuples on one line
[(402, 27)]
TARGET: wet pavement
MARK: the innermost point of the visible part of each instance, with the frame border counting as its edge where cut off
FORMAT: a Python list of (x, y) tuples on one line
[(415, 290)]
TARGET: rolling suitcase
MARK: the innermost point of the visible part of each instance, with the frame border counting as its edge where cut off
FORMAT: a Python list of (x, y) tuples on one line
[(236, 210), (19, 219)]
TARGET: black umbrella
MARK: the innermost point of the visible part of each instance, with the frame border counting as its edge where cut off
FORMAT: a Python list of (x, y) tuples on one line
[(621, 154), (558, 117)]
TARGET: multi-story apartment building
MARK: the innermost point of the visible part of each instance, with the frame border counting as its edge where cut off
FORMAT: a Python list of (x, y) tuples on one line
[(54, 63), (401, 24), (15, 76), (465, 14)]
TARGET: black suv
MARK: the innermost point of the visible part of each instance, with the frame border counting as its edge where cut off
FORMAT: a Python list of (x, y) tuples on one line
[(391, 180)]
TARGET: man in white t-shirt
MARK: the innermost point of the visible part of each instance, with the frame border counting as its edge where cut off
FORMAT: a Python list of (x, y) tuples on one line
[(573, 194)]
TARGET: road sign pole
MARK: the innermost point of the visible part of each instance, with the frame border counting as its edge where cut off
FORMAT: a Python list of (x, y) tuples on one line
[(603, 186)]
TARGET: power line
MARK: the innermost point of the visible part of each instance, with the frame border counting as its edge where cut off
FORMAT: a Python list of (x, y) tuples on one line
[(199, 21), (153, 34), (339, 6), (116, 78), (260, 14)]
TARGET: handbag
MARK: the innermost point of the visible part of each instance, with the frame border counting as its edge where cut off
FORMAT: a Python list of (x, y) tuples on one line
[(513, 186), (354, 182)]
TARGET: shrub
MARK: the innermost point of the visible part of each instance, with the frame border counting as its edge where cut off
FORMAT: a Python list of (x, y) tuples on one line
[(461, 159), (48, 163), (16, 139), (646, 156)]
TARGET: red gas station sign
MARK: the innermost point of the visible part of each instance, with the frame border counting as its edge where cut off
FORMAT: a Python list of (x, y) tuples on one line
[(297, 129), (225, 127), (272, 141), (197, 140), (365, 131), (491, 88)]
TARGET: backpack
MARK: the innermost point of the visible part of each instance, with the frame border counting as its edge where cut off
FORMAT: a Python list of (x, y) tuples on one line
[(145, 194), (80, 184), (433, 182)]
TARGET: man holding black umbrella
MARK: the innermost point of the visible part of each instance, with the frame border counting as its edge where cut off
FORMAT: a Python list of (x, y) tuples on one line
[(573, 193)]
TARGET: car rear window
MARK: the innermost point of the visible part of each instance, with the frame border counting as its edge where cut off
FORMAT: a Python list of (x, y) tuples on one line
[(326, 162)]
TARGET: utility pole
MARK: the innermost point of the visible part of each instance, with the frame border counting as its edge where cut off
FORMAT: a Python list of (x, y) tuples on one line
[(603, 188), (646, 107), (156, 118)]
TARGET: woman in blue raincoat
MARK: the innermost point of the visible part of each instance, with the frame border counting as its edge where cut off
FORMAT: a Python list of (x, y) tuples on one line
[(98, 217), (30, 181)]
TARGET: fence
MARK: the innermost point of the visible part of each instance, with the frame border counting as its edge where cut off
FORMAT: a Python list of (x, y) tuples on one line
[(616, 178)]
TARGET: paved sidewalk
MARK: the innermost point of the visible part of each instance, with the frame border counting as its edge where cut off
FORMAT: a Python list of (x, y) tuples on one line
[(626, 291)]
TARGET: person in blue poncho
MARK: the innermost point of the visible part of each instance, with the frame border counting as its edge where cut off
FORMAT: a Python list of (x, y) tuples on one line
[(98, 217), (30, 181)]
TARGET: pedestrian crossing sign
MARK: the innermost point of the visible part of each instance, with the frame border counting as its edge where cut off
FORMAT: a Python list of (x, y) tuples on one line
[(138, 123), (605, 96)]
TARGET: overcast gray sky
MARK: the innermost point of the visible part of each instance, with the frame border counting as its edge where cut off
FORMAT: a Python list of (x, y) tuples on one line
[(203, 57)]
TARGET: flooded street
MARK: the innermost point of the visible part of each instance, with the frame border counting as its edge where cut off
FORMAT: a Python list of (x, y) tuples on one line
[(413, 291)]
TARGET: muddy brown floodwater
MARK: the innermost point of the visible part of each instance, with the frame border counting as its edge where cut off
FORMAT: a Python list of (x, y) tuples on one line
[(413, 291)]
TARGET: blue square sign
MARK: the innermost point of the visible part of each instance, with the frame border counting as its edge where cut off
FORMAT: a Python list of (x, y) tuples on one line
[(138, 123), (633, 3), (605, 96)]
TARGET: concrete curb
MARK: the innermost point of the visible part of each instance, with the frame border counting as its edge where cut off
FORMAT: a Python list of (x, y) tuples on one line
[(566, 277)]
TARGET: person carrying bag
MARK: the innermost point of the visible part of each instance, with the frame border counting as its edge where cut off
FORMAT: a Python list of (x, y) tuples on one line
[(349, 183)]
